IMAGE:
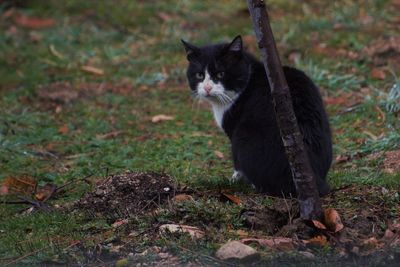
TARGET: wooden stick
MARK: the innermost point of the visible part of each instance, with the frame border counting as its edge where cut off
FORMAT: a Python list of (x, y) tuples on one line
[(303, 176)]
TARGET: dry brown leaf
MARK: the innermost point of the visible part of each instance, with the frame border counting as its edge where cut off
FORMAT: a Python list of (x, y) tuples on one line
[(182, 198), (318, 224), (342, 159), (23, 185), (370, 243), (219, 154), (378, 74), (232, 198), (92, 70), (63, 129), (332, 220), (59, 92), (319, 240), (45, 192), (118, 223), (164, 16), (340, 100), (194, 232), (162, 117), (278, 243), (33, 22)]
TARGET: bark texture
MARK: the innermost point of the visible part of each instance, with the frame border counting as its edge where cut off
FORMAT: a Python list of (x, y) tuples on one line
[(303, 176)]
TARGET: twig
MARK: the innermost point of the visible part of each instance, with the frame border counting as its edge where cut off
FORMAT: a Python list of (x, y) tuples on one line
[(24, 256), (74, 181)]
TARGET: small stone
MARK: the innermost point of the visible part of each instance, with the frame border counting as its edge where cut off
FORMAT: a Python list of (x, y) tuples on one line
[(235, 250), (163, 255), (355, 250), (307, 255), (388, 234)]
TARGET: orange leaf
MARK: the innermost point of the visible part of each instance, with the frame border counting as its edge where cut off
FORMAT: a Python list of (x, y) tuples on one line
[(33, 22), (319, 240), (332, 220), (378, 74), (45, 192), (63, 129), (23, 185), (232, 198)]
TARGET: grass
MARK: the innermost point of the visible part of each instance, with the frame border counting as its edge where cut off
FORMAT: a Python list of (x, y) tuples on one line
[(138, 42)]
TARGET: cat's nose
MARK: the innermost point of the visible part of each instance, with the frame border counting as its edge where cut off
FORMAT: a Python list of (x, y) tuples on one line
[(207, 88)]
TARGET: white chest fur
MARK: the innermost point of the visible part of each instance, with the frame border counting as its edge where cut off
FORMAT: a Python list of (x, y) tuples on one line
[(219, 111)]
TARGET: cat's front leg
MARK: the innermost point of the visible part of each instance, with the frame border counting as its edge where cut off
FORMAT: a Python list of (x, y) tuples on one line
[(237, 176)]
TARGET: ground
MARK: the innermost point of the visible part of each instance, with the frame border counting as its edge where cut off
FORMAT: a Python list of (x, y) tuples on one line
[(82, 85)]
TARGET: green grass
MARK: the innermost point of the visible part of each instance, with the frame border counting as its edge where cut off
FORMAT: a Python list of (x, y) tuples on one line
[(132, 43)]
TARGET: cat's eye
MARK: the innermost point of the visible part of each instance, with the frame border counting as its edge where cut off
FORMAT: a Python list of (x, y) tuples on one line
[(200, 75), (220, 75)]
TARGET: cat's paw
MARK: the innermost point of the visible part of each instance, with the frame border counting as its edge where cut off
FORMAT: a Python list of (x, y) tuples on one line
[(237, 176)]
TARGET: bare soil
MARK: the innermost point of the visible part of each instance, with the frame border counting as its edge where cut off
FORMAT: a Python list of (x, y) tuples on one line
[(127, 195)]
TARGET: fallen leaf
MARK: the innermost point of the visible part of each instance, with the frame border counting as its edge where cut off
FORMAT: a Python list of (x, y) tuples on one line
[(63, 129), (119, 223), (232, 198), (59, 92), (162, 117), (278, 243), (23, 185), (45, 192), (219, 154), (378, 74), (332, 220), (241, 233), (33, 22), (164, 16), (339, 101), (370, 243), (319, 240), (194, 232), (92, 70), (342, 159), (395, 226), (109, 135), (235, 250), (182, 198), (388, 234), (3, 190), (318, 224)]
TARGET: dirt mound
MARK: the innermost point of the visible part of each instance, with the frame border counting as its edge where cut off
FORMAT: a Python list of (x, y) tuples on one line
[(126, 195)]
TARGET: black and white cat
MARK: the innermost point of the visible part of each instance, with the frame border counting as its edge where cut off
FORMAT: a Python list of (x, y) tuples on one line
[(236, 86)]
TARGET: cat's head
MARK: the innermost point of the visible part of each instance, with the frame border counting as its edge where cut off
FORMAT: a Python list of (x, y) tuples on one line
[(217, 73)]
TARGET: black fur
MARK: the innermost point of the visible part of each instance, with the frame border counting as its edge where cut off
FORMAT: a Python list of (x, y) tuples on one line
[(251, 125)]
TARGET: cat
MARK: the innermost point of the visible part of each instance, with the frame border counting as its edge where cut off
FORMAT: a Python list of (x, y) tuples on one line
[(235, 84)]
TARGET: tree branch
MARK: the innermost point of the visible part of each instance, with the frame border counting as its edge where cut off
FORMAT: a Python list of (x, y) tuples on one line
[(303, 176)]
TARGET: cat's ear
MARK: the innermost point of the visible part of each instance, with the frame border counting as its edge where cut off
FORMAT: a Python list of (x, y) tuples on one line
[(236, 45), (191, 50)]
